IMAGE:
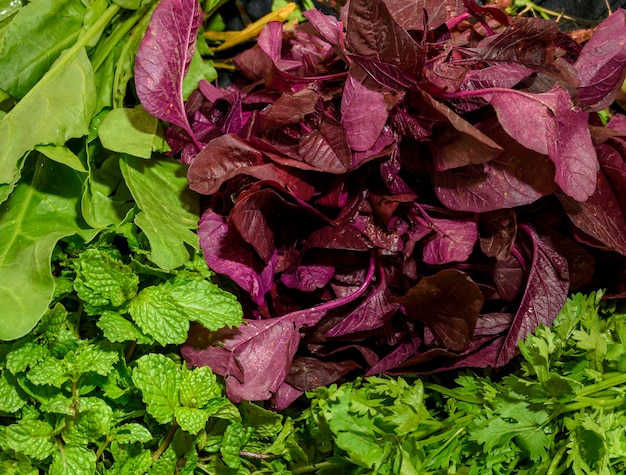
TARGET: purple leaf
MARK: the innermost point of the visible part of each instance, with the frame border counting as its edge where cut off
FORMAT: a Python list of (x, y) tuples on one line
[(163, 58), (255, 358), (515, 177), (546, 291), (373, 33), (449, 303), (549, 124), (600, 216), (326, 148), (363, 109), (373, 313), (601, 65), (227, 253), (453, 241)]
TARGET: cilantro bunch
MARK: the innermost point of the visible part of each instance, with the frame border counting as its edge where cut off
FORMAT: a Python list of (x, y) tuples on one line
[(562, 410)]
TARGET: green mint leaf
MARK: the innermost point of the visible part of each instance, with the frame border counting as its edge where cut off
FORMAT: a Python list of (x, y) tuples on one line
[(26, 355), (31, 437), (164, 310), (198, 387), (131, 433), (166, 464), (90, 358), (72, 460), (169, 209), (235, 437), (158, 315), (191, 419), (93, 422), (204, 302), (116, 328), (103, 282), (129, 459), (131, 131), (52, 321), (17, 467), (50, 371), (11, 398), (158, 378)]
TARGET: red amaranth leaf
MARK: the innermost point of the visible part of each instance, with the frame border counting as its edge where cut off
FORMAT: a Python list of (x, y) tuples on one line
[(546, 291), (601, 65), (163, 58)]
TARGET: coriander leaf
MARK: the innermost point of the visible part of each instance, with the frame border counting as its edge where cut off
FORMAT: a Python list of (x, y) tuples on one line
[(41, 210), (103, 282), (191, 419), (11, 399), (132, 131), (169, 210), (158, 378), (68, 95), (33, 438), (72, 460), (116, 328)]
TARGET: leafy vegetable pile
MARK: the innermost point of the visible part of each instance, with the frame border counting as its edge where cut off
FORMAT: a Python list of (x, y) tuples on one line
[(402, 190), (89, 404)]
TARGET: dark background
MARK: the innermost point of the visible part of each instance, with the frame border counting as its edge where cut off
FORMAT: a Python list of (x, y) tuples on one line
[(584, 9)]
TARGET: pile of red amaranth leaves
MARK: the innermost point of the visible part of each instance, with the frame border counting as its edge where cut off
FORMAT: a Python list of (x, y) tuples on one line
[(407, 187)]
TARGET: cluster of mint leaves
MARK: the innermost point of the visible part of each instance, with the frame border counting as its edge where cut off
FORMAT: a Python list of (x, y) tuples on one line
[(98, 386)]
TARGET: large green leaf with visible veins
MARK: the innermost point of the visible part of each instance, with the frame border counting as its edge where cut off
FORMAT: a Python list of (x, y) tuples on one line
[(43, 208), (34, 38), (58, 108), (169, 210)]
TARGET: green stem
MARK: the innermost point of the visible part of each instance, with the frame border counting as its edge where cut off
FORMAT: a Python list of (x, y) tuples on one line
[(81, 43), (116, 36), (554, 465), (453, 394), (608, 383), (314, 468), (166, 442)]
